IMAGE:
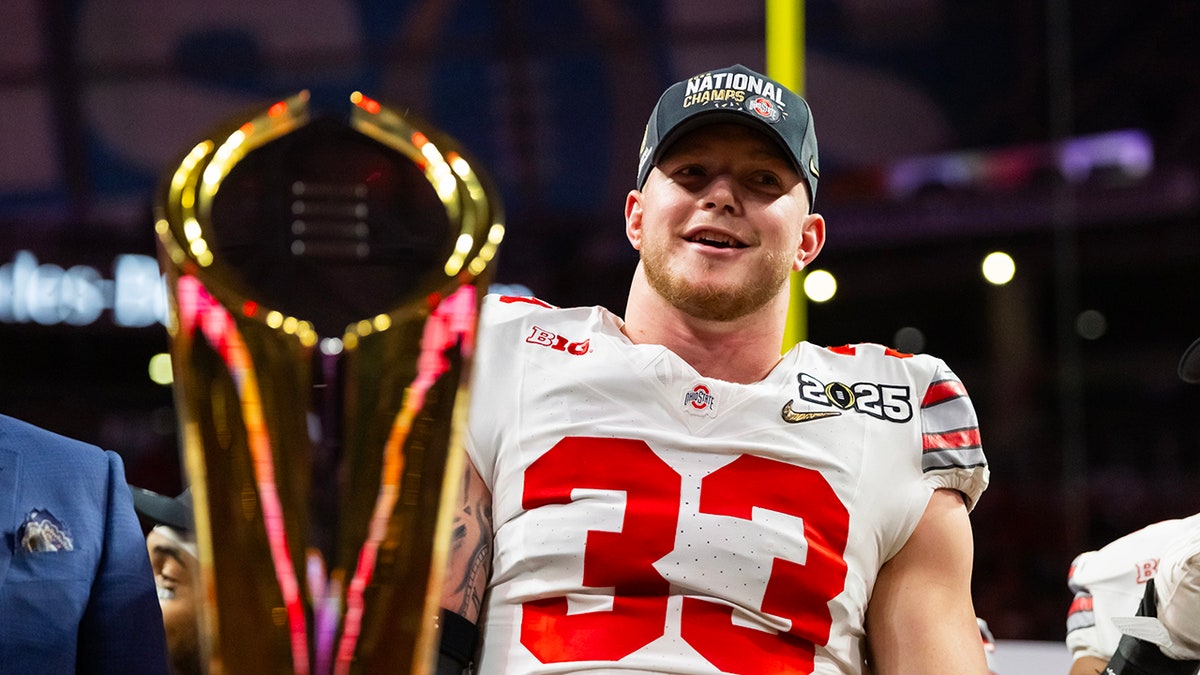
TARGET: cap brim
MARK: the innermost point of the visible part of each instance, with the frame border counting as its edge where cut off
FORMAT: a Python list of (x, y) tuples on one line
[(1189, 364), (709, 117), (164, 510)]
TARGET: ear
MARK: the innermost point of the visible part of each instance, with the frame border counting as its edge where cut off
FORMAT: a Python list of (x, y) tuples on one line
[(633, 219), (812, 240)]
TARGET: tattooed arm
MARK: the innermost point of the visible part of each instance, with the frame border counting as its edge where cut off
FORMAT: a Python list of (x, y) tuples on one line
[(470, 562)]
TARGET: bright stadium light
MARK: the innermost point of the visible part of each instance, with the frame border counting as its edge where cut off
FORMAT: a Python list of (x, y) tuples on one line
[(999, 268), (160, 369), (820, 286)]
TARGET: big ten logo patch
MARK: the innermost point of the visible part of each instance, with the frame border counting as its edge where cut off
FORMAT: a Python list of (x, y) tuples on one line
[(545, 338), (1145, 569)]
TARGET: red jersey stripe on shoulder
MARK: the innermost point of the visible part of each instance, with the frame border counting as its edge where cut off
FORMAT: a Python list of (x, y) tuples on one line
[(952, 440), (1081, 603), (851, 350), (943, 391), (526, 299)]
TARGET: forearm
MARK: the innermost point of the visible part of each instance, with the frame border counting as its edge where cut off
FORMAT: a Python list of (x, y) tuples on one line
[(467, 572), (463, 591), (470, 558), (1087, 665)]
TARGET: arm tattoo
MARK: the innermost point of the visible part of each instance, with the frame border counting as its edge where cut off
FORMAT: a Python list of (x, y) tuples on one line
[(475, 580), (470, 550)]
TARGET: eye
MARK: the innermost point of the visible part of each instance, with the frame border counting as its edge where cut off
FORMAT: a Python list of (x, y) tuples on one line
[(690, 170), (767, 179)]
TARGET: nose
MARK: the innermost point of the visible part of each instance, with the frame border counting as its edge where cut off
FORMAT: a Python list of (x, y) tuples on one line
[(720, 194)]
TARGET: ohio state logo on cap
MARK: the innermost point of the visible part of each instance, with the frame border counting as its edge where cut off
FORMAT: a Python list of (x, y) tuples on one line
[(764, 108)]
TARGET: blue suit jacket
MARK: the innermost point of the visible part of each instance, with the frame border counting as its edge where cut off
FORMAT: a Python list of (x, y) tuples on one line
[(91, 606)]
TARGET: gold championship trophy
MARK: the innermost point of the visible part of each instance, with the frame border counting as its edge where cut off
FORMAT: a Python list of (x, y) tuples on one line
[(324, 275)]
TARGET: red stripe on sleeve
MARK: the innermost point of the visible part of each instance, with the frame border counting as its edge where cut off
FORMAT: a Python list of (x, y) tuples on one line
[(952, 440), (1082, 603), (941, 391), (520, 298)]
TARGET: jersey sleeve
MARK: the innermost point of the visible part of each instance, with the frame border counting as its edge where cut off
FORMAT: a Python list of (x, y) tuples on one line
[(952, 450), (1084, 638)]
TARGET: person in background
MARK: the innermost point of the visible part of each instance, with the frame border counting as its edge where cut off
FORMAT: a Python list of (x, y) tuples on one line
[(76, 590), (176, 564), (1136, 609)]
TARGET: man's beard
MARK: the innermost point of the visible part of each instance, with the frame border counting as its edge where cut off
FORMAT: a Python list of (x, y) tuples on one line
[(710, 302)]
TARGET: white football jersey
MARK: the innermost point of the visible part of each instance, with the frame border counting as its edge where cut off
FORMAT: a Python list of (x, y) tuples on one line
[(1110, 582), (648, 519)]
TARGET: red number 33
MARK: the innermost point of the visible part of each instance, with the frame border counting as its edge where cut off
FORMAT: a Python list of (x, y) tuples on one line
[(625, 560)]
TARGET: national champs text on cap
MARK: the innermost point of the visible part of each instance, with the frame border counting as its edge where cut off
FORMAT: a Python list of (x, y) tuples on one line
[(733, 94)]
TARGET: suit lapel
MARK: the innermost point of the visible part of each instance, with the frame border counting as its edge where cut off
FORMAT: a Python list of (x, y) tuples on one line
[(9, 463)]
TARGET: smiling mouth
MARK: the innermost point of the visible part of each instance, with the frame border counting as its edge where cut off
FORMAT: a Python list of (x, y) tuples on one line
[(716, 241)]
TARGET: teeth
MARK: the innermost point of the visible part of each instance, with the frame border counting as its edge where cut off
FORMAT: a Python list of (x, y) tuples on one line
[(717, 240)]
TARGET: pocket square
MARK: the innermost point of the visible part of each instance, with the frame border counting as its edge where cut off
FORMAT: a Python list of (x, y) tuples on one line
[(42, 532)]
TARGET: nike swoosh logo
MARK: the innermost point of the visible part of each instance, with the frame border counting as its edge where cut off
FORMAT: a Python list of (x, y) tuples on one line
[(792, 417)]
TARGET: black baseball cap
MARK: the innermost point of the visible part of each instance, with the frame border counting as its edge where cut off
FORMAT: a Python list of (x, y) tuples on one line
[(733, 94), (173, 512), (1189, 364)]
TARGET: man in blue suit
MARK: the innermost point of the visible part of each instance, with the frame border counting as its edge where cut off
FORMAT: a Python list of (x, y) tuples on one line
[(76, 591)]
